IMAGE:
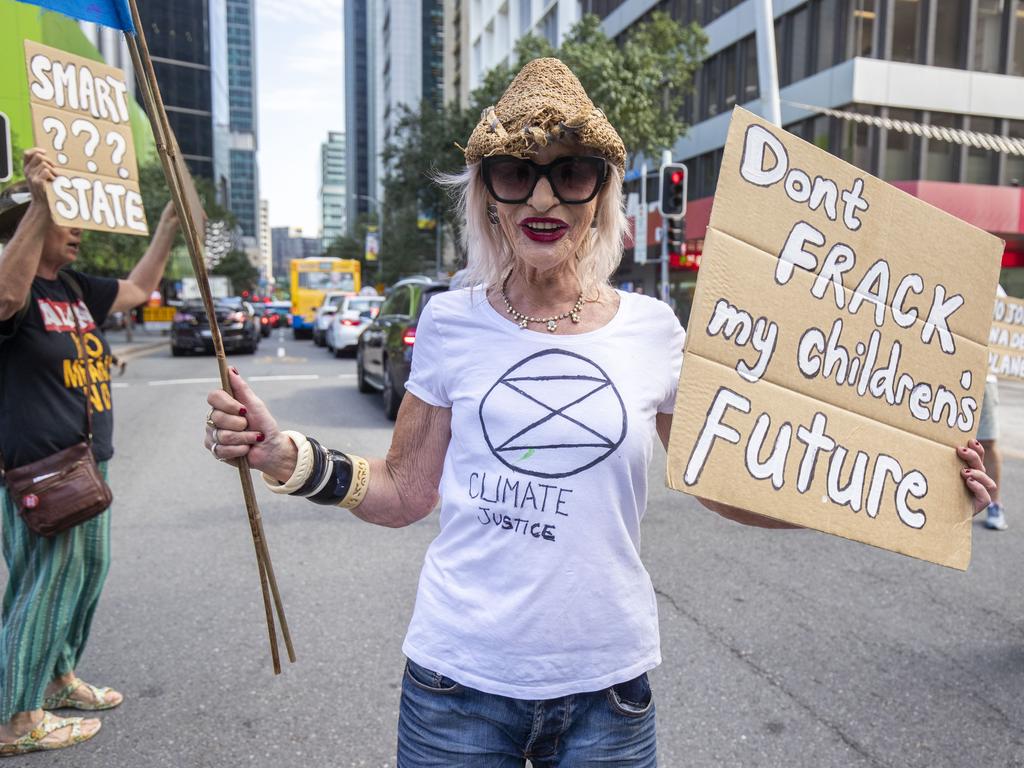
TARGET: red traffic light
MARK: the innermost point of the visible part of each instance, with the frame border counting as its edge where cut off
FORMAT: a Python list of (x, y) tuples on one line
[(677, 177)]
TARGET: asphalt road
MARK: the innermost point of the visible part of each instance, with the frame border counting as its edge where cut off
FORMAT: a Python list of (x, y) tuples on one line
[(787, 649)]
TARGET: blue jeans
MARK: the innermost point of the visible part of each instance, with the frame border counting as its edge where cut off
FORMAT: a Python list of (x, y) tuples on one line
[(443, 724)]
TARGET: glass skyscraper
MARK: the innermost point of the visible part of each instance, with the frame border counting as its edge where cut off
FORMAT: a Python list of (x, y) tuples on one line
[(243, 197)]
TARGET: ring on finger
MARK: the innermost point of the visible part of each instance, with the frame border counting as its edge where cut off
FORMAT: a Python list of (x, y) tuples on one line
[(213, 449), (209, 419)]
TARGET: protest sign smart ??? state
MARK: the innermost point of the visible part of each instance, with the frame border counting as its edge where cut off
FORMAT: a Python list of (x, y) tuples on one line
[(836, 352), (80, 116)]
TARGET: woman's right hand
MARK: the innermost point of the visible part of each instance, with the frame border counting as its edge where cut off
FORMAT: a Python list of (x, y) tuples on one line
[(243, 426), (39, 171)]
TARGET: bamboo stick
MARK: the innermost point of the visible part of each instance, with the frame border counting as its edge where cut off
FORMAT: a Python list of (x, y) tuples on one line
[(169, 159)]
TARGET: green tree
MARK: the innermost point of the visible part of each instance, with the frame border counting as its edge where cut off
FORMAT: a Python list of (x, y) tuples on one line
[(641, 86), (237, 267), (104, 253)]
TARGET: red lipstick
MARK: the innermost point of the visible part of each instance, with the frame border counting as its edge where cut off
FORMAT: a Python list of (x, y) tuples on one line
[(542, 229)]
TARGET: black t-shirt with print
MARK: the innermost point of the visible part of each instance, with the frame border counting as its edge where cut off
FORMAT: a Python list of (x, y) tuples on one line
[(42, 376)]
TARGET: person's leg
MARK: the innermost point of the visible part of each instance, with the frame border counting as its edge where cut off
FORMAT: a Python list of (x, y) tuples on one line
[(988, 436), (94, 538), (993, 464), (442, 724), (44, 579), (614, 727)]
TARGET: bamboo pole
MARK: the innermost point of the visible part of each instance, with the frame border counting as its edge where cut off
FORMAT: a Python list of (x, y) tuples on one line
[(169, 159)]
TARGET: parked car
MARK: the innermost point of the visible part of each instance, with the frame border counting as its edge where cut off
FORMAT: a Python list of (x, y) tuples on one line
[(239, 328), (324, 313), (351, 319), (384, 353)]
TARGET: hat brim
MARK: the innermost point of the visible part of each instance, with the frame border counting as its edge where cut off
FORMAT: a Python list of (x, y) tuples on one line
[(10, 218)]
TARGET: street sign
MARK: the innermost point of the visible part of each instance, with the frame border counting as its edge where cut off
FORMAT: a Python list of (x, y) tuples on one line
[(6, 150), (372, 244)]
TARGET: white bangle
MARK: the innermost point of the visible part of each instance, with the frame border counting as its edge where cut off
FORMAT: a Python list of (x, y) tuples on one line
[(303, 466)]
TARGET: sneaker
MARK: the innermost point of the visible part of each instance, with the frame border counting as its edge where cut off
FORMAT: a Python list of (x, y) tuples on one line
[(994, 517)]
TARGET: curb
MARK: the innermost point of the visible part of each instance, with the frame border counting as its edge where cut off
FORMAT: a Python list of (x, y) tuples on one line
[(131, 351)]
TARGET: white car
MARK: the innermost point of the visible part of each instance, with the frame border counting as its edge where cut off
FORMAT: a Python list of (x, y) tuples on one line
[(325, 313), (354, 314)]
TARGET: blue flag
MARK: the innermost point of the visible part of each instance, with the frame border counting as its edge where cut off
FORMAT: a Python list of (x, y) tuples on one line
[(110, 13)]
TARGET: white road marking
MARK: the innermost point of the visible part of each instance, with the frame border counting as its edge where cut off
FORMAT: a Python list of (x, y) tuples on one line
[(280, 352), (172, 382), (346, 375), (119, 385), (287, 377)]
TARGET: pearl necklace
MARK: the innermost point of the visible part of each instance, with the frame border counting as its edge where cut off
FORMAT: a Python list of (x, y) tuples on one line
[(552, 322)]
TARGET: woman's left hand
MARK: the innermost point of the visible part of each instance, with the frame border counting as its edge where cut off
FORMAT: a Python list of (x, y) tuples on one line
[(169, 216), (973, 474)]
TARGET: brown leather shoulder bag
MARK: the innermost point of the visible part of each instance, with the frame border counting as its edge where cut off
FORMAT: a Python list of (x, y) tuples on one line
[(66, 488)]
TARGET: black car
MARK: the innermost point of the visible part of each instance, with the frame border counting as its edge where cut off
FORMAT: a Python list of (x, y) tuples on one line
[(239, 327), (384, 354)]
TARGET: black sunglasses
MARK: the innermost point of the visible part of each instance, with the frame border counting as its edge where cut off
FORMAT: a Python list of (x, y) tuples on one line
[(574, 179)]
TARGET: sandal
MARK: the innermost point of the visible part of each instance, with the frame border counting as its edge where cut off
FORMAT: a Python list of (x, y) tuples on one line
[(33, 740), (63, 699)]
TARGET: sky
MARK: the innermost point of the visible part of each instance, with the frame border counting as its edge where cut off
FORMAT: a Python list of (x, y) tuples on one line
[(301, 96)]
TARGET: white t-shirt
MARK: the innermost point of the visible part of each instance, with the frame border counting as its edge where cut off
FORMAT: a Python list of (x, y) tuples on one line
[(534, 587)]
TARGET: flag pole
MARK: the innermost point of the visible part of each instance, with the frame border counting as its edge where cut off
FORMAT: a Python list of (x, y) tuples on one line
[(146, 77)]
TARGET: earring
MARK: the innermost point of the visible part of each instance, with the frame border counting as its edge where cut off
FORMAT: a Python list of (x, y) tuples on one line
[(492, 213)]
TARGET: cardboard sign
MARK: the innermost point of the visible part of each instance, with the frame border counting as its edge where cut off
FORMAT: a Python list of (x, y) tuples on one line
[(1006, 339), (836, 351), (80, 116)]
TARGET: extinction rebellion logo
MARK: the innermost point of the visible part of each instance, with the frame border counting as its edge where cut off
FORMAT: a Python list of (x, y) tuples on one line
[(553, 414)]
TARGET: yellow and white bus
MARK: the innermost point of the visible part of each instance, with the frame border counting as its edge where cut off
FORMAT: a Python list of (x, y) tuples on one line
[(311, 280)]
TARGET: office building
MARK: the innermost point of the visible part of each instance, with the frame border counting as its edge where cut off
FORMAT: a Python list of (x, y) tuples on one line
[(494, 28), (361, 164), (958, 64), (243, 184), (332, 188), (289, 243), (187, 41), (266, 245)]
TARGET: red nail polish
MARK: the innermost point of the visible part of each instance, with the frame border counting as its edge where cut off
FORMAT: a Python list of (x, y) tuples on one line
[(260, 437), (235, 371), (242, 411)]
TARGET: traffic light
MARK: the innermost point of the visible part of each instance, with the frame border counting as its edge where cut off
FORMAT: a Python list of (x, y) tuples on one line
[(672, 204), (676, 235)]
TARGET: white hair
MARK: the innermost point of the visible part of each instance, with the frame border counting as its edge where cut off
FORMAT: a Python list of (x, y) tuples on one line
[(489, 254)]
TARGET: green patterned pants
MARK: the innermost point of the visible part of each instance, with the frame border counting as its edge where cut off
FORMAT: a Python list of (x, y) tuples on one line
[(53, 587)]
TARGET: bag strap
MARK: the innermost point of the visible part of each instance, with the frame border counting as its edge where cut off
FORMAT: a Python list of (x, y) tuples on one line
[(72, 284)]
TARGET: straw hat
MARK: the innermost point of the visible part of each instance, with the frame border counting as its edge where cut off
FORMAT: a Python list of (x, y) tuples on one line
[(545, 103)]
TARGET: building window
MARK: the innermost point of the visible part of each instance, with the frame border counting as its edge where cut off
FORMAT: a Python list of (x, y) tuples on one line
[(857, 140), (988, 37), (825, 27), (906, 30), (730, 75), (799, 44), (865, 13), (1018, 46), (941, 156), (981, 163), (750, 89), (1013, 169), (818, 132), (901, 148), (950, 23)]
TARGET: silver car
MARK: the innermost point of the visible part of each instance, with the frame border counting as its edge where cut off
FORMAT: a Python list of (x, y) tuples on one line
[(352, 316)]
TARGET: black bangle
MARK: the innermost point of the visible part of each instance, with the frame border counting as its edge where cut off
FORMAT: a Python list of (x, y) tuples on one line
[(318, 473), (336, 489)]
